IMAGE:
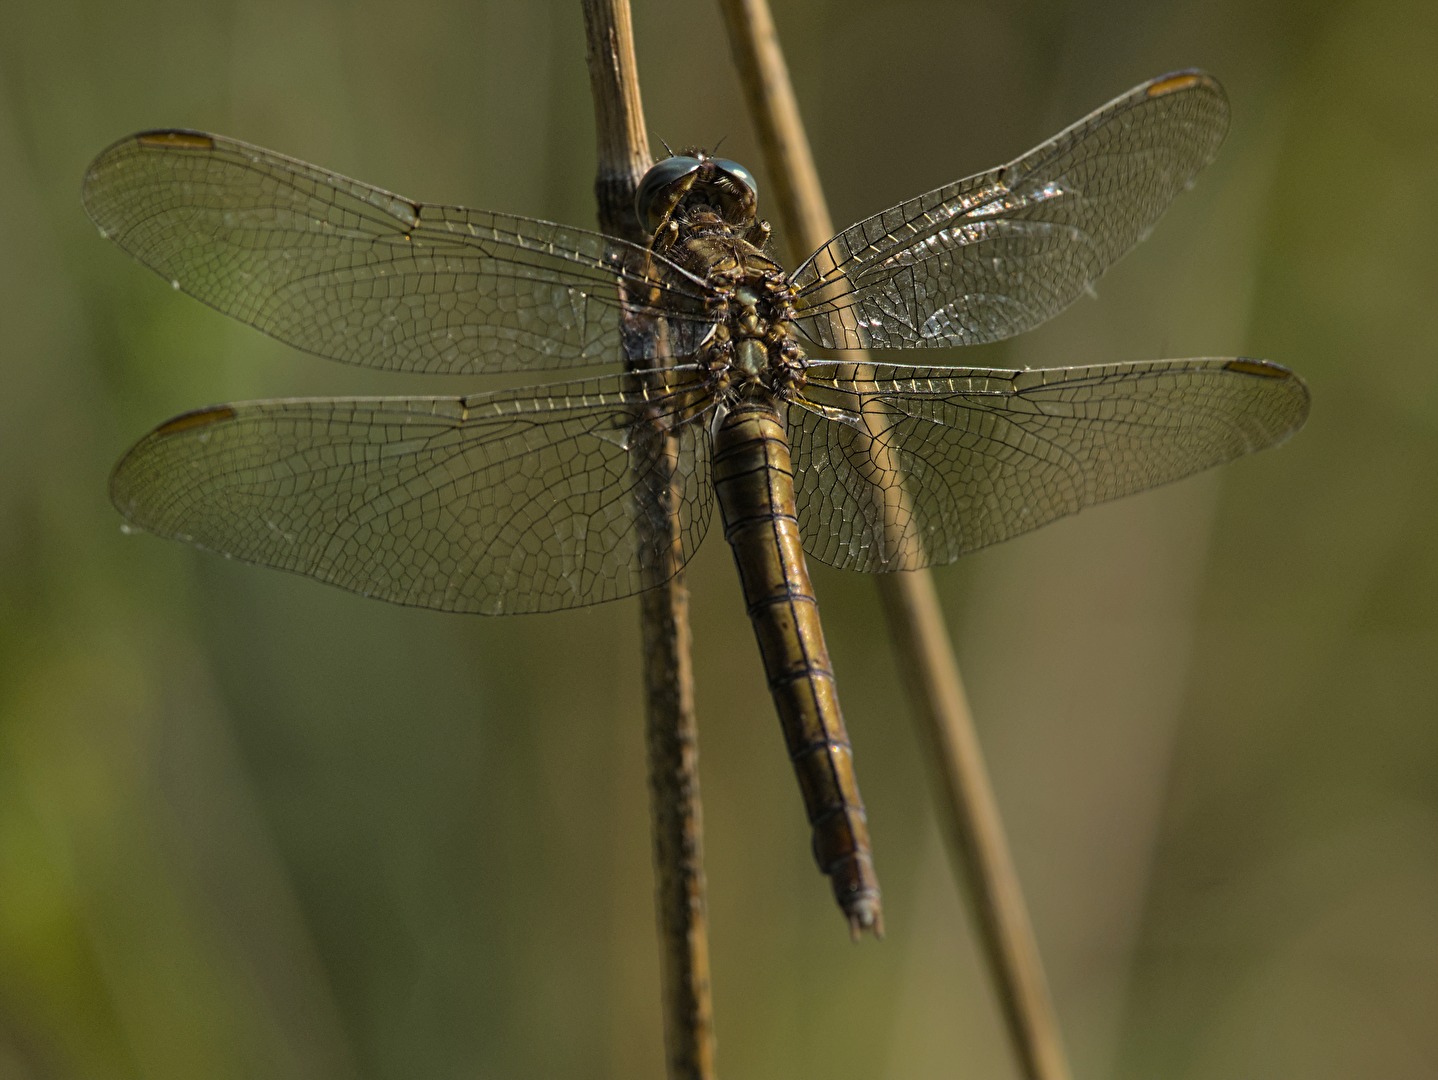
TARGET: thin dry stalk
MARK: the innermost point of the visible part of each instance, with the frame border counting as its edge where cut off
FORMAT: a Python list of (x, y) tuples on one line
[(983, 862), (671, 729)]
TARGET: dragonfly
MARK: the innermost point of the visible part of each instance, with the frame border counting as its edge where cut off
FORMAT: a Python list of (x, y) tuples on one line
[(711, 389)]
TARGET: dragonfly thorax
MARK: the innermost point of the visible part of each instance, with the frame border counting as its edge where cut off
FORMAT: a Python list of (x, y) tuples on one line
[(703, 213), (754, 349)]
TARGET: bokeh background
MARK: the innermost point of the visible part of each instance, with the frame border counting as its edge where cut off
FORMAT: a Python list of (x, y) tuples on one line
[(254, 827)]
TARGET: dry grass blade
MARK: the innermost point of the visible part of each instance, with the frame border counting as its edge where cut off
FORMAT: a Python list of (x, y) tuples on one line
[(916, 621), (664, 609)]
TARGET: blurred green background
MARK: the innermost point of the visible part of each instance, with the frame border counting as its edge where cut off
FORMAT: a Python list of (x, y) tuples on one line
[(251, 826)]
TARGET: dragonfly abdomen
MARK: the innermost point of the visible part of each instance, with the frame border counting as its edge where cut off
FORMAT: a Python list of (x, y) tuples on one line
[(754, 481)]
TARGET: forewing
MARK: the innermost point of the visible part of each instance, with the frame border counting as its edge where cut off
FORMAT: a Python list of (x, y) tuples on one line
[(496, 503), (915, 467), (355, 273), (998, 253)]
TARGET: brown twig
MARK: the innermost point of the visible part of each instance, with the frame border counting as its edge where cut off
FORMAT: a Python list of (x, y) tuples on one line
[(664, 608), (982, 858)]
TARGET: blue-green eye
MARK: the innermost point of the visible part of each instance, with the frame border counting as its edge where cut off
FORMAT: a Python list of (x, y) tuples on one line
[(654, 200), (738, 172)]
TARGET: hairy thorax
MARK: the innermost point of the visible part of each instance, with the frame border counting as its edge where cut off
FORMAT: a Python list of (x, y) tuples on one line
[(752, 350)]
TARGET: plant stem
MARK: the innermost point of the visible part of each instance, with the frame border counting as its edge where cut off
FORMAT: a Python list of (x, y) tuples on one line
[(671, 730), (981, 856)]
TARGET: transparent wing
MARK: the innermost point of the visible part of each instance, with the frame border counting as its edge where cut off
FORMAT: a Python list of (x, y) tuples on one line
[(359, 274), (998, 253), (917, 466), (496, 503)]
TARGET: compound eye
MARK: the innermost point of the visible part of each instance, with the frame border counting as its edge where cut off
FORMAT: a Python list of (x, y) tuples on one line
[(657, 195), (739, 173)]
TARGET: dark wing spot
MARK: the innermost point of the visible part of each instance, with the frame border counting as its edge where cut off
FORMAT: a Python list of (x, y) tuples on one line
[(190, 140), (215, 414), (1179, 80), (1258, 367)]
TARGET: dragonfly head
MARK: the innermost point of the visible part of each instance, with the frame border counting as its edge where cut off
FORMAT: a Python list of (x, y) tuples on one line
[(692, 181)]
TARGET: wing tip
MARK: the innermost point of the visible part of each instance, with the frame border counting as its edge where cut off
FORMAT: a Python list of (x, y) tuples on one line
[(92, 194), (1267, 369), (1289, 383), (122, 477)]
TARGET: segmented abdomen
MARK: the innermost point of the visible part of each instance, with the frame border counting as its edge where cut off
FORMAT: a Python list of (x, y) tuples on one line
[(754, 480)]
